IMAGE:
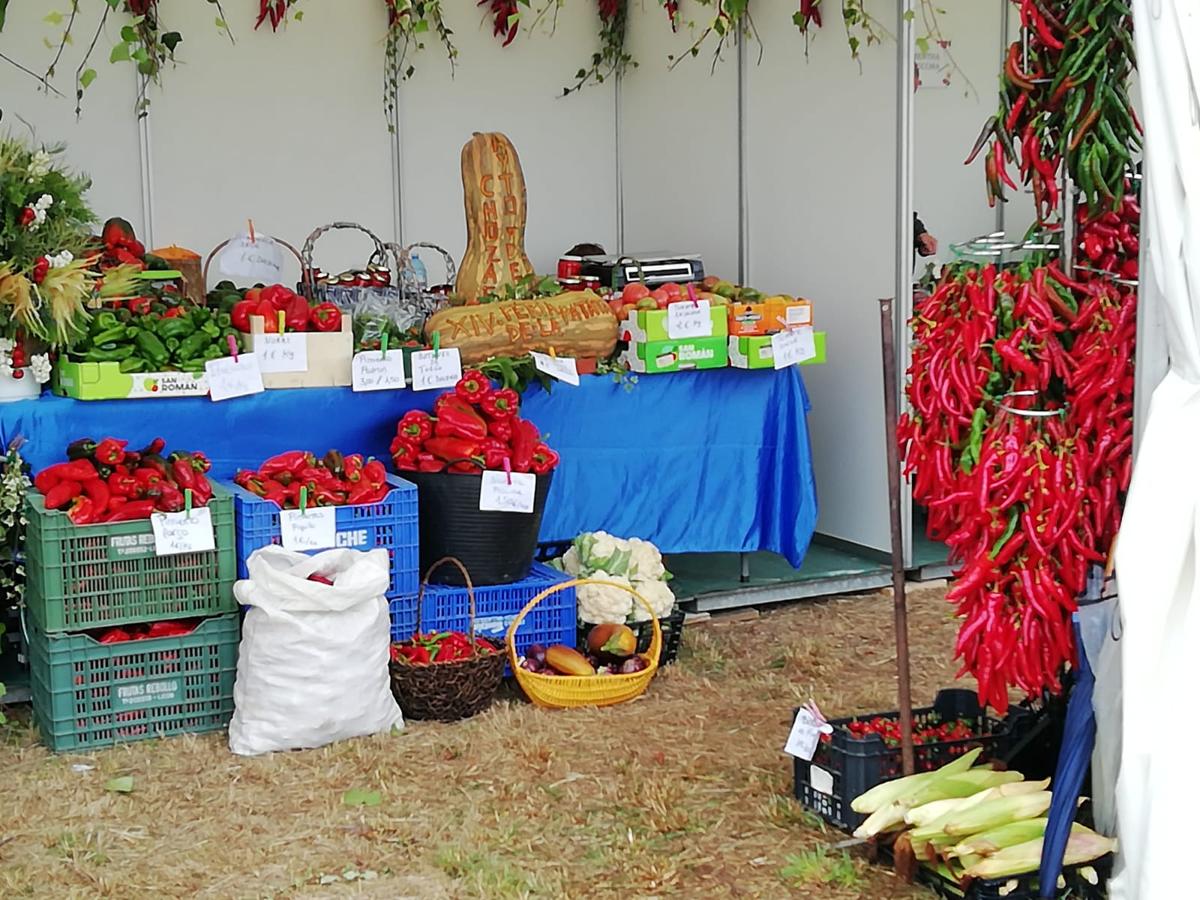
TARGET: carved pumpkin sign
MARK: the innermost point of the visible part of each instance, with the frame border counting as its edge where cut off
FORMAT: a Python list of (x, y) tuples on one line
[(494, 197), (578, 324)]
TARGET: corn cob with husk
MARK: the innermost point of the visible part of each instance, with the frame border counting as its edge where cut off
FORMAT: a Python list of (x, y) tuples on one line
[(960, 785), (923, 815), (1082, 846), (888, 792)]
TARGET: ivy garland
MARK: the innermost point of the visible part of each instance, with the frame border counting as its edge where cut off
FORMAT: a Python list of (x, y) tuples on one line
[(150, 47)]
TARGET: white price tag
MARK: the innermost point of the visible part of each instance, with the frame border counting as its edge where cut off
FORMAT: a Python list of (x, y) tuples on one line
[(433, 369), (561, 367), (183, 532), (799, 314), (234, 377), (689, 320), (311, 529), (252, 259), (282, 352), (793, 346), (507, 492), (806, 733), (372, 370), (821, 781)]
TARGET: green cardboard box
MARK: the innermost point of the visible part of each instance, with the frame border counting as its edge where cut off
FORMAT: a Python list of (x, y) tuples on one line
[(653, 357), (106, 381), (650, 325), (755, 352)]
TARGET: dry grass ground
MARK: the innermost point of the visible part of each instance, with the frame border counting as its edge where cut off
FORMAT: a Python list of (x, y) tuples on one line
[(683, 793)]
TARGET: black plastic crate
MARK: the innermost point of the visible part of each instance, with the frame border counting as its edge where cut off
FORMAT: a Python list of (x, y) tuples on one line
[(857, 764), (672, 636)]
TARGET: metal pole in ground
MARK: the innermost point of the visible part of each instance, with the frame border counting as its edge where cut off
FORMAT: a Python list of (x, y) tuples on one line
[(891, 393)]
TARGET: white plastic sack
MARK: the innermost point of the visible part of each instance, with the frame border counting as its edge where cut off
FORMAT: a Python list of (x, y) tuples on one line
[(313, 665), (1100, 627)]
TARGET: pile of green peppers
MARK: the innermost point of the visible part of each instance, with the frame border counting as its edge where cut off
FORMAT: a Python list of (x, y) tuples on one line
[(182, 339)]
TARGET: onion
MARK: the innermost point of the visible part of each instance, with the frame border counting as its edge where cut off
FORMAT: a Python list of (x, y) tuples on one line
[(537, 653), (634, 664)]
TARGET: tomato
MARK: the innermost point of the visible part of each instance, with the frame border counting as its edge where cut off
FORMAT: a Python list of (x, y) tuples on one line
[(674, 291), (661, 298), (634, 292), (618, 308), (253, 294)]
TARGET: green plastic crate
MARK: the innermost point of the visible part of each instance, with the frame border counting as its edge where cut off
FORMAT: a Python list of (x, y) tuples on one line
[(96, 576), (87, 694)]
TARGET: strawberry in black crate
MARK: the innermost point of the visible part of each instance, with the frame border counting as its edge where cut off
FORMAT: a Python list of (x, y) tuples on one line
[(864, 751)]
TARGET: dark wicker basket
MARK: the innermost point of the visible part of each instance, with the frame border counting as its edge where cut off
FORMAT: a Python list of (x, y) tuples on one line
[(448, 691)]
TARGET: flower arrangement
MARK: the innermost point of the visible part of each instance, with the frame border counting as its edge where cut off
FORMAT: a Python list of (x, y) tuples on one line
[(47, 257)]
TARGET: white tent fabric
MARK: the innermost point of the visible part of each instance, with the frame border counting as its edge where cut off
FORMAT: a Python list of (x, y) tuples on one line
[(1158, 551)]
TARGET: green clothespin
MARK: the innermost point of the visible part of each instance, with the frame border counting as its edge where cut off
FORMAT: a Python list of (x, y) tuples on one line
[(437, 343), (187, 503), (383, 346), (304, 501)]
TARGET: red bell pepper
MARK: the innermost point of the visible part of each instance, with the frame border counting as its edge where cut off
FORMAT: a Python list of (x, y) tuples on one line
[(473, 387), (452, 449), (63, 494), (502, 404), (202, 492), (122, 484), (404, 454), (181, 468), (241, 313), (456, 419), (326, 317), (170, 499), (140, 306), (544, 459), (292, 461), (374, 472), (96, 490), (115, 636), (415, 425), (466, 467), (427, 462), (83, 511), (525, 439), (270, 315), (76, 470), (296, 313), (168, 629), (495, 452), (500, 428), (352, 466), (368, 493)]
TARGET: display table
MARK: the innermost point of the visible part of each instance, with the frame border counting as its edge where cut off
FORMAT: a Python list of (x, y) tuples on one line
[(695, 462)]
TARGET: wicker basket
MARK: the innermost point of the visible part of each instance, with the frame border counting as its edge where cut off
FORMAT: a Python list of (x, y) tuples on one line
[(345, 297), (571, 691), (422, 304), (221, 246), (447, 691)]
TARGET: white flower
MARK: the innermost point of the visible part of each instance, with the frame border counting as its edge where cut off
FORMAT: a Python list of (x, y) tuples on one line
[(58, 260), (645, 562), (39, 165), (44, 202), (39, 363), (660, 597), (602, 603)]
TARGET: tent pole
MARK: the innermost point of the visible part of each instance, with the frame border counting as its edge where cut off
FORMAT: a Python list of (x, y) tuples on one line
[(902, 307), (899, 600)]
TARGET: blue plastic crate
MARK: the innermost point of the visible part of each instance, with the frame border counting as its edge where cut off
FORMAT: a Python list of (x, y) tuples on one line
[(447, 609), (390, 524)]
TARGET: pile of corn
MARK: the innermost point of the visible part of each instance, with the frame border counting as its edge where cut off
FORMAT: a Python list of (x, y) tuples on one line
[(971, 822)]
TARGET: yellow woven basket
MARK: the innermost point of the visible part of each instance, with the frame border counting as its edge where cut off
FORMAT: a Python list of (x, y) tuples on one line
[(570, 691)]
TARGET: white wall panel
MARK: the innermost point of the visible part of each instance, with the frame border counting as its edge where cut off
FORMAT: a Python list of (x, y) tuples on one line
[(104, 141), (678, 145), (286, 128), (566, 144), (821, 183)]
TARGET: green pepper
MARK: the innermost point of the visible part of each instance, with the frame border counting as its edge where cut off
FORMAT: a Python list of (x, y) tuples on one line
[(174, 328), (194, 366), (224, 320), (133, 364), (193, 345), (151, 348), (110, 335), (104, 320), (211, 330), (109, 353)]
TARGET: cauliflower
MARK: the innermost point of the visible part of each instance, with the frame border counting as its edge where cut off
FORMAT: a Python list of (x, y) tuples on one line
[(570, 562), (603, 603), (599, 550), (645, 562), (660, 597)]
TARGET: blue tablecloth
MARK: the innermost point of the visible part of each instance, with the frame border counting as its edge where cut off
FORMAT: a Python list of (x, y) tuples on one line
[(695, 462)]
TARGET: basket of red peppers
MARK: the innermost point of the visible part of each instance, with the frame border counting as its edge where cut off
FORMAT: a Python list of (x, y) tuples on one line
[(445, 676), (473, 429), (104, 481)]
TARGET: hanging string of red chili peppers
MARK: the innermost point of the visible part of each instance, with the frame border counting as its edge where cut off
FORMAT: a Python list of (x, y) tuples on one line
[(276, 12), (506, 18)]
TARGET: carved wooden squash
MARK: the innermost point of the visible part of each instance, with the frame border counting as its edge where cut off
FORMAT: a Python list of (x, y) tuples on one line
[(578, 324), (494, 197)]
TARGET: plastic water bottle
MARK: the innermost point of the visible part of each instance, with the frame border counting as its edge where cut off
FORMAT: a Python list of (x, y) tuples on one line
[(419, 273)]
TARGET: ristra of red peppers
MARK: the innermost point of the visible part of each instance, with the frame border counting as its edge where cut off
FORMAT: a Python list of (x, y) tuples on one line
[(1064, 96), (106, 482), (1024, 502), (506, 18), (274, 11)]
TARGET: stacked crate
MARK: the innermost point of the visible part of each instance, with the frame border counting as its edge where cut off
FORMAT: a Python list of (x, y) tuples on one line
[(82, 581)]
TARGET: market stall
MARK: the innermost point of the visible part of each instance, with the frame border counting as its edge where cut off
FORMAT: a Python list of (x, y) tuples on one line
[(676, 444)]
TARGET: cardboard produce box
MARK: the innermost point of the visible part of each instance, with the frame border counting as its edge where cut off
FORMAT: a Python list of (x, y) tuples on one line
[(654, 357), (328, 356), (769, 316), (106, 381), (755, 352), (650, 325)]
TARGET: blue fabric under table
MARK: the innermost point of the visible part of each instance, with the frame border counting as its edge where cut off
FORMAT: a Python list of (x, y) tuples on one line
[(712, 461)]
